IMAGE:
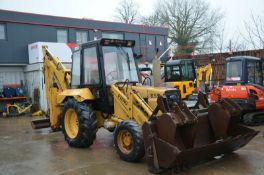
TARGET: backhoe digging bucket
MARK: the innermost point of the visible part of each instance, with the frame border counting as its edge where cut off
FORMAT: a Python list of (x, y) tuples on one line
[(40, 123), (178, 138)]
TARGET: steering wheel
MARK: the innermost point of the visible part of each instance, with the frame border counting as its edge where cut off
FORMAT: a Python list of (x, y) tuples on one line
[(110, 74)]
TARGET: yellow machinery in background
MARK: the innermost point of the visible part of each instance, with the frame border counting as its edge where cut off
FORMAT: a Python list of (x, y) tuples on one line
[(103, 90), (18, 108), (204, 75), (180, 74)]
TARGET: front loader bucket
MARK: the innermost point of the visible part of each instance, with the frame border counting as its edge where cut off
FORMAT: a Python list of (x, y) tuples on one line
[(178, 138)]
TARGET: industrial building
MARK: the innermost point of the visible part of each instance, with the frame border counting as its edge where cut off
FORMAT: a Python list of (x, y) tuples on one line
[(18, 30)]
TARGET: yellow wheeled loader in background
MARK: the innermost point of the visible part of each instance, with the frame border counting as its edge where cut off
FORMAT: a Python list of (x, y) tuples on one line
[(180, 74), (103, 90)]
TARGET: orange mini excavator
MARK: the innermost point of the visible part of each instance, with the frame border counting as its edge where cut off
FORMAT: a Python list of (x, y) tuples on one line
[(244, 85)]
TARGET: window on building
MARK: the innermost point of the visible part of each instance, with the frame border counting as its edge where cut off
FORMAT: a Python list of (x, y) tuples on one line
[(81, 37), (112, 35), (2, 32), (62, 36)]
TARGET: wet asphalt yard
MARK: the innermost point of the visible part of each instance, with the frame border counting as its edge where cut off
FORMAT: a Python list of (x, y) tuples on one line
[(24, 151)]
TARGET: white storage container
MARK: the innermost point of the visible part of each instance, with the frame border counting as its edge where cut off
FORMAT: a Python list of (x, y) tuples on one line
[(60, 50), (34, 71)]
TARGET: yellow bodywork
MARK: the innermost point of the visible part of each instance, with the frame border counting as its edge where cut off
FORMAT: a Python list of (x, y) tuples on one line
[(71, 123), (204, 74), (20, 109), (79, 95), (186, 87), (57, 86), (130, 102)]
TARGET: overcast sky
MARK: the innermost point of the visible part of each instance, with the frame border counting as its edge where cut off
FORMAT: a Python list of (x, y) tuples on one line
[(235, 11)]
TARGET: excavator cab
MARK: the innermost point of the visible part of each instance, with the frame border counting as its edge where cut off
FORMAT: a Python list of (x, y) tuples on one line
[(98, 64), (180, 74), (244, 70), (244, 85)]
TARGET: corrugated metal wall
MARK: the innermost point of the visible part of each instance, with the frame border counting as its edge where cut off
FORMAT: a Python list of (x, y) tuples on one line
[(34, 80), (11, 75)]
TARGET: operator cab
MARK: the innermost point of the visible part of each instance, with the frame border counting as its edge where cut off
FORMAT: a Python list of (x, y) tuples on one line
[(179, 70), (244, 70), (98, 64)]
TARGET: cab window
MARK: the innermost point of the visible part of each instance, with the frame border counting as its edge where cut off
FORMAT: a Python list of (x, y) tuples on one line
[(91, 68), (254, 72), (76, 73), (234, 71), (187, 72), (173, 73)]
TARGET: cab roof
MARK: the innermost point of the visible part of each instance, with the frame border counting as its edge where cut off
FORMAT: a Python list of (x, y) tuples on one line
[(241, 58), (178, 61), (107, 42)]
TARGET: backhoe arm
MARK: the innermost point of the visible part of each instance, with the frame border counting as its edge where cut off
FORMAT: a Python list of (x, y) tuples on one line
[(57, 79), (55, 71), (204, 74)]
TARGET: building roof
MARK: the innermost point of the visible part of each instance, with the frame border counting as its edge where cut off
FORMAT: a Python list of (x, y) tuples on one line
[(58, 21)]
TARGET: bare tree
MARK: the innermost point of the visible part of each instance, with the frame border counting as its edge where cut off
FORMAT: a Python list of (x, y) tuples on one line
[(218, 41), (152, 20), (192, 23), (255, 31), (237, 43), (127, 11)]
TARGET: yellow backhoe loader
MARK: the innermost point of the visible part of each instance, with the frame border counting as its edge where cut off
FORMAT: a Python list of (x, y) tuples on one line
[(103, 90)]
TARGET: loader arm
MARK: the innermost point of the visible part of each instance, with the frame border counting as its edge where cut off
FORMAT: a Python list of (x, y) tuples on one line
[(56, 79), (129, 104)]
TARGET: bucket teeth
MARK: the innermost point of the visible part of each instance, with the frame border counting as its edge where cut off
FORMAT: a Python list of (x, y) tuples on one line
[(179, 138)]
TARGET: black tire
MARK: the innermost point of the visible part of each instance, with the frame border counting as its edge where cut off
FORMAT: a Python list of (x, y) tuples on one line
[(135, 130), (87, 127)]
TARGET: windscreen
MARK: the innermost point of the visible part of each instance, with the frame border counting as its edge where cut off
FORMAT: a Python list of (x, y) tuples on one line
[(234, 71), (187, 72), (119, 64), (173, 73), (182, 72)]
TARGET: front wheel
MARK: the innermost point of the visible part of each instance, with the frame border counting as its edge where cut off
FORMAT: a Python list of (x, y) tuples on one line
[(78, 124), (128, 141)]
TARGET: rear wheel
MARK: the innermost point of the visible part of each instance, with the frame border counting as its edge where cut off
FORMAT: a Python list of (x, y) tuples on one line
[(78, 124), (128, 141)]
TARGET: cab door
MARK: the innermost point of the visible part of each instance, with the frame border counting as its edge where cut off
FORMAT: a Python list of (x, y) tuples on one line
[(92, 77)]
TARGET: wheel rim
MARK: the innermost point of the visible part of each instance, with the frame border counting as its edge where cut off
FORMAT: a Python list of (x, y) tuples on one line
[(125, 141), (71, 123)]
